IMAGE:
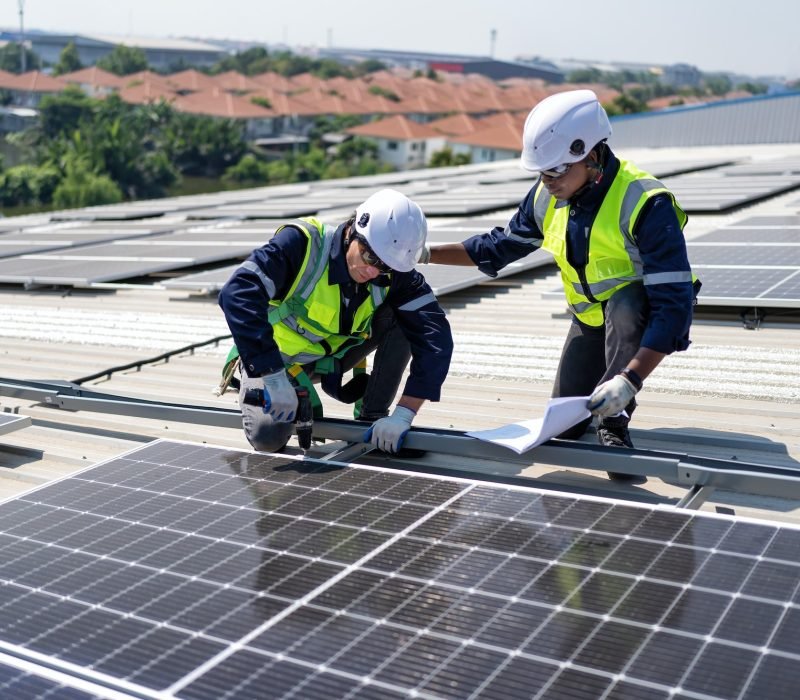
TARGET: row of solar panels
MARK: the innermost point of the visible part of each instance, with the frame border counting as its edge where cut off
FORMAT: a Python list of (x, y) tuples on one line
[(201, 573), (144, 239), (755, 262)]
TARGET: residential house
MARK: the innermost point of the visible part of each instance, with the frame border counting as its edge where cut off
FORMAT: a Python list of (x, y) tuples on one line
[(402, 143)]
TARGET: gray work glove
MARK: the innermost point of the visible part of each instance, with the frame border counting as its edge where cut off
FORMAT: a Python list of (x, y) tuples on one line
[(387, 433), (280, 399), (611, 397)]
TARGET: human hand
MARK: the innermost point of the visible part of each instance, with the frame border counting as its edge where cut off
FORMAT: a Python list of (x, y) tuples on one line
[(611, 397), (387, 433), (280, 399)]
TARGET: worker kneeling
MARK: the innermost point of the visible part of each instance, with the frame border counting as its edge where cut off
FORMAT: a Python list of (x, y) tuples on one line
[(316, 300)]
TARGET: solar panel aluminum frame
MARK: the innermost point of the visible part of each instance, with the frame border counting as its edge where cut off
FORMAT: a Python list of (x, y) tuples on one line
[(693, 472)]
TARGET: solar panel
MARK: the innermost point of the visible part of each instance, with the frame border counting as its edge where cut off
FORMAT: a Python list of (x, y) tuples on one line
[(735, 287), (71, 235), (444, 279), (744, 254), (205, 573), (123, 259), (777, 221), (716, 193), (21, 683), (750, 235)]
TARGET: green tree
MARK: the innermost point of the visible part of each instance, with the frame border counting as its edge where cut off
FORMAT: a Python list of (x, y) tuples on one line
[(249, 169), (383, 92), (717, 84), (11, 58), (585, 75), (82, 187), (241, 61), (445, 157), (68, 60), (28, 184), (753, 88), (124, 60), (625, 104), (200, 145), (63, 112), (371, 65)]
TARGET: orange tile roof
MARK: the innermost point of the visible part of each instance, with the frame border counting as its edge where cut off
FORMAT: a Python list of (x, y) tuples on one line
[(191, 79), (273, 80), (504, 137), (93, 76), (397, 127), (231, 80), (455, 125), (34, 81), (219, 103), (144, 92)]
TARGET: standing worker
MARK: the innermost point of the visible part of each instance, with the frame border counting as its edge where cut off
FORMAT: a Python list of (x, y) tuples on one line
[(315, 300), (616, 234)]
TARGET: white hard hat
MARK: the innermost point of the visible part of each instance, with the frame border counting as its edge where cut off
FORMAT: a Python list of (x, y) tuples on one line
[(563, 128), (394, 227)]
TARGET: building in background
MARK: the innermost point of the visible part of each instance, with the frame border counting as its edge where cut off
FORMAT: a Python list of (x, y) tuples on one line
[(162, 54)]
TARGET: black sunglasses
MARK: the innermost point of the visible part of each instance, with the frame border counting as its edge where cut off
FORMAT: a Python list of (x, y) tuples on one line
[(369, 257)]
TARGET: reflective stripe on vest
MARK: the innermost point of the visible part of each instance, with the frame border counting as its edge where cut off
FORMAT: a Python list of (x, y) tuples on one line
[(614, 260), (306, 324)]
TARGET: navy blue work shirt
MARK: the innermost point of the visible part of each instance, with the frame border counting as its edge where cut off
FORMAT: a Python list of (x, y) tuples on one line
[(658, 236), (245, 301)]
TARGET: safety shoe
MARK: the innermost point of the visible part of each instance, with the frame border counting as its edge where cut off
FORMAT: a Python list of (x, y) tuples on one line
[(616, 436)]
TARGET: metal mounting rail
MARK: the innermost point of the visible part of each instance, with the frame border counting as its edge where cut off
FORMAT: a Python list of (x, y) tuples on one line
[(699, 474)]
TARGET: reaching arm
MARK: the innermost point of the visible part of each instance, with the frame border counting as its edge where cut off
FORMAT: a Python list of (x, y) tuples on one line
[(450, 254)]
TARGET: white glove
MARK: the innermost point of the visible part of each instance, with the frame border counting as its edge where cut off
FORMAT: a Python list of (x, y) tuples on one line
[(280, 399), (611, 397), (387, 433), (425, 255)]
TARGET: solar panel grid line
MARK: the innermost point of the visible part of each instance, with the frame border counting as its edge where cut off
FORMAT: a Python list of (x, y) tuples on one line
[(794, 276), (573, 523), (22, 679), (72, 683), (301, 601)]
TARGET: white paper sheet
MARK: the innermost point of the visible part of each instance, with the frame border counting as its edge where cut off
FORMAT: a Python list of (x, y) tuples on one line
[(559, 415)]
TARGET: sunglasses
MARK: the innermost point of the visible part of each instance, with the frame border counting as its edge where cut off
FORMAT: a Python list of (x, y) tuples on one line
[(557, 171), (369, 257)]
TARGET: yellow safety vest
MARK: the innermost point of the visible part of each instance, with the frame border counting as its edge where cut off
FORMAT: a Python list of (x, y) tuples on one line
[(613, 259), (306, 324)]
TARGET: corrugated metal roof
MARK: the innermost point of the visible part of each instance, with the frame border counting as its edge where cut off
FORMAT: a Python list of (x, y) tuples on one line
[(764, 119)]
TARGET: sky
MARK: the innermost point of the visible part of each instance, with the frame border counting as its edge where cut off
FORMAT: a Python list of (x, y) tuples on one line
[(758, 38)]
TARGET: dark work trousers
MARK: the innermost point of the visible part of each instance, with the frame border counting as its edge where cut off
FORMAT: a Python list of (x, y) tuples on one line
[(392, 355), (593, 354)]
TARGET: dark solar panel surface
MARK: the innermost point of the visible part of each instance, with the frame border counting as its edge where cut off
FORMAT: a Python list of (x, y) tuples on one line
[(207, 573), (750, 255), (741, 254), (750, 235), (738, 285), (19, 684), (768, 221), (717, 193)]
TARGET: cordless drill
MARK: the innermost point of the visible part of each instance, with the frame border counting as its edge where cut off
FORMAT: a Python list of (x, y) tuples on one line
[(303, 418)]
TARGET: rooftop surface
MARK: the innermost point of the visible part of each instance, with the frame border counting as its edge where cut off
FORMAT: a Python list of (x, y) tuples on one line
[(735, 394)]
